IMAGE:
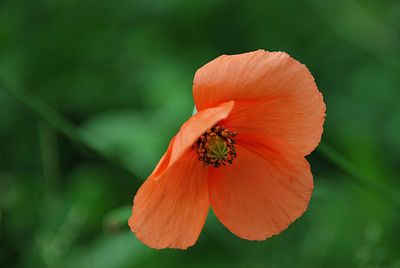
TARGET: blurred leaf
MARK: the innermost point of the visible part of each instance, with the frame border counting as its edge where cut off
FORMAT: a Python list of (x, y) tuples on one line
[(117, 218), (109, 250), (132, 138), (349, 19)]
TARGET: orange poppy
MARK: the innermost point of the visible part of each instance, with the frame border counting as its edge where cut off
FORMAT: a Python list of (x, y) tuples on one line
[(259, 114)]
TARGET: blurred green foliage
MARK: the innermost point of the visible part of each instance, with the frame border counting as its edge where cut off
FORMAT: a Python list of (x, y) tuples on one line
[(122, 72)]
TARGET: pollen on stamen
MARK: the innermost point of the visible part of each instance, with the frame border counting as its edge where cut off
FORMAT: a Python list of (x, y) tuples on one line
[(216, 147)]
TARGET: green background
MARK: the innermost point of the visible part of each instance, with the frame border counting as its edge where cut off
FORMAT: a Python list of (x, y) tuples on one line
[(92, 91)]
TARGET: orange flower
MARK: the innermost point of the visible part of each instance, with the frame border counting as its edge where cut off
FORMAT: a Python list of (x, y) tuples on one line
[(259, 114)]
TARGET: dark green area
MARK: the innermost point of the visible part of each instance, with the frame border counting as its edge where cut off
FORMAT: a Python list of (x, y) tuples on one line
[(122, 71)]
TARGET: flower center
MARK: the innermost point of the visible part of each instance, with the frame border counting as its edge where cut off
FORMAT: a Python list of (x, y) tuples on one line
[(216, 146)]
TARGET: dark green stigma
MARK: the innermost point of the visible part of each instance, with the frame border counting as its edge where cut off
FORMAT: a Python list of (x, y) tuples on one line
[(216, 147)]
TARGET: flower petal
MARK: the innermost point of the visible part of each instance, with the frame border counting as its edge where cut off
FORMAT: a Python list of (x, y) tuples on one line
[(170, 212), (164, 161), (290, 122), (190, 131), (275, 97), (171, 206), (250, 76), (261, 193)]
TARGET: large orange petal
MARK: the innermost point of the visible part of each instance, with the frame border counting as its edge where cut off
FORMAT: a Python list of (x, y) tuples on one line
[(261, 193), (170, 212), (190, 131), (275, 97), (292, 122), (249, 76)]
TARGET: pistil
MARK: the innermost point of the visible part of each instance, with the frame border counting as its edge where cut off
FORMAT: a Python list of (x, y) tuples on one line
[(216, 147)]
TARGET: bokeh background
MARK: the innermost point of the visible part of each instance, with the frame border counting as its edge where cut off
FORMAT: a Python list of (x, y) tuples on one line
[(92, 91)]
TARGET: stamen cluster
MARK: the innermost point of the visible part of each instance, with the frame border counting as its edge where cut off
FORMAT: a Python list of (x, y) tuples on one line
[(216, 146)]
